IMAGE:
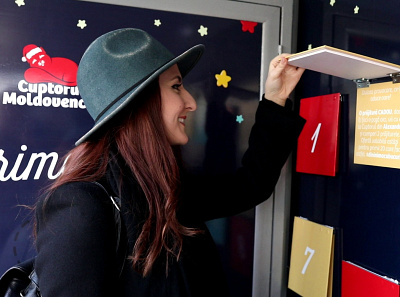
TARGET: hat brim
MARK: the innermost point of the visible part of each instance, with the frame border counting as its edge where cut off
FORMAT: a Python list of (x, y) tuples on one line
[(186, 61)]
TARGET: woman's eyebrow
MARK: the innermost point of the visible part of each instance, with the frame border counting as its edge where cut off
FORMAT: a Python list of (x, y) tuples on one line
[(178, 77)]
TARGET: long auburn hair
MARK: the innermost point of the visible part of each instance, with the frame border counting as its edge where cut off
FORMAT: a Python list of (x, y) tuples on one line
[(141, 140)]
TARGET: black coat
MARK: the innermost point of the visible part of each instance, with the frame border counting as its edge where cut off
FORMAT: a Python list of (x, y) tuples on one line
[(76, 235)]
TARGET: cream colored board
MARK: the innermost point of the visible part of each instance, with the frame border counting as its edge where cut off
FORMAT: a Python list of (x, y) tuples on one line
[(344, 64)]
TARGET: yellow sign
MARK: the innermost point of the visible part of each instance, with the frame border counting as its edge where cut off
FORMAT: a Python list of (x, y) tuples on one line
[(311, 261), (377, 128)]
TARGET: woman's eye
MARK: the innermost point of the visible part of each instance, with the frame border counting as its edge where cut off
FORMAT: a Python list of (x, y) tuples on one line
[(176, 86)]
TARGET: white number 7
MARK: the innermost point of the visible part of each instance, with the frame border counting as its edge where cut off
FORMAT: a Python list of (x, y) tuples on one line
[(311, 251)]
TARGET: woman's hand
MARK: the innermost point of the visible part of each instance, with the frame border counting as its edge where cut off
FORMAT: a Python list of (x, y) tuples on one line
[(282, 79)]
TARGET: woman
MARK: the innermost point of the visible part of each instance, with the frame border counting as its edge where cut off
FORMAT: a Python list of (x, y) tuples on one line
[(132, 87)]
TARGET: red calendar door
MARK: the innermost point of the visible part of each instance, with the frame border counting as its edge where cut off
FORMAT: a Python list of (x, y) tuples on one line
[(317, 151)]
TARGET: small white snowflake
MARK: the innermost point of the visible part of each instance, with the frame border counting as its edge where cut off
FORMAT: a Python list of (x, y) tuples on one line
[(203, 30), (81, 24), (19, 2), (157, 23)]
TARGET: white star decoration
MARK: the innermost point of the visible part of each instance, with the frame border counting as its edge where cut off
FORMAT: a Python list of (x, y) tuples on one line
[(157, 23), (332, 2), (19, 2), (81, 24), (356, 9), (202, 30)]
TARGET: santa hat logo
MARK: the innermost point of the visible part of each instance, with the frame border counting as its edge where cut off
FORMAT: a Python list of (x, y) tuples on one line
[(30, 51), (44, 68)]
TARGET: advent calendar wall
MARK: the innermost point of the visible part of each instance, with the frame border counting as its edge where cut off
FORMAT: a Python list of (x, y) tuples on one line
[(360, 201), (42, 114)]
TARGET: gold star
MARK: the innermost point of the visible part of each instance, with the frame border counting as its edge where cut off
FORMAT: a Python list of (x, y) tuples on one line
[(19, 2), (202, 30), (222, 79), (157, 23), (356, 9), (81, 24)]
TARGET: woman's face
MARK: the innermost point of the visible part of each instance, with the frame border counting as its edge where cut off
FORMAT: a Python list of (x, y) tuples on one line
[(176, 103)]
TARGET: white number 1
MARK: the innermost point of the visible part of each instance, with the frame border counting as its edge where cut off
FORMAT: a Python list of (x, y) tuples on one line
[(315, 137), (311, 251)]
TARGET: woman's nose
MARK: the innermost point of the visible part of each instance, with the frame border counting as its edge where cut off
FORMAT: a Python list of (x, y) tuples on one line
[(190, 102)]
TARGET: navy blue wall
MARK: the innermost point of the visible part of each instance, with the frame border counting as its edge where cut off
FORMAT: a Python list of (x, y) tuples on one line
[(26, 130)]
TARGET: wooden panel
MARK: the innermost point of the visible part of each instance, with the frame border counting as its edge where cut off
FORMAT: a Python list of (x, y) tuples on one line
[(341, 63)]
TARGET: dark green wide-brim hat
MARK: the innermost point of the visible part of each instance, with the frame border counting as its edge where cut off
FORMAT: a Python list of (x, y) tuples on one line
[(117, 66)]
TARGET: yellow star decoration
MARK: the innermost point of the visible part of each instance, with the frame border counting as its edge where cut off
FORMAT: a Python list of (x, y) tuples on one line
[(223, 79), (19, 2), (332, 2), (356, 9), (157, 23), (81, 24)]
